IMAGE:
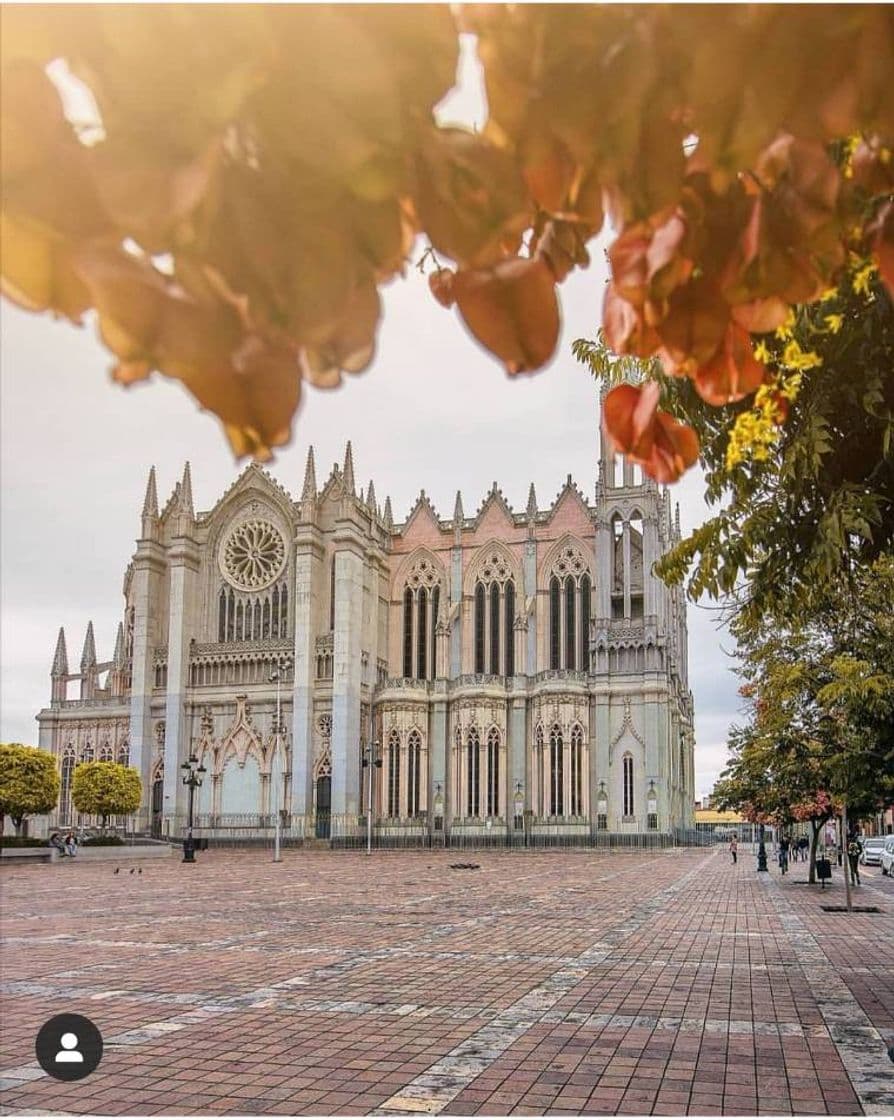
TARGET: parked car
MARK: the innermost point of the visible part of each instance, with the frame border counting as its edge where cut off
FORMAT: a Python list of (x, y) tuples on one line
[(872, 849), (887, 856)]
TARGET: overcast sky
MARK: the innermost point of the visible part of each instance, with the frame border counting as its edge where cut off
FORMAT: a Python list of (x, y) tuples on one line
[(433, 412)]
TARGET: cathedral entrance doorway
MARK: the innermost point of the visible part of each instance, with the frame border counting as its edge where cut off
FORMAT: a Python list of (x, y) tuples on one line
[(324, 803), (158, 792)]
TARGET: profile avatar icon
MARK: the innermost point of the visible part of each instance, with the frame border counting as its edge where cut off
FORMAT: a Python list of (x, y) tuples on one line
[(68, 1053), (68, 1047)]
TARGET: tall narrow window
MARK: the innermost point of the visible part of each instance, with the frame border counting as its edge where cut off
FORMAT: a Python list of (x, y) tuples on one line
[(479, 627), (421, 633), (510, 629), (435, 605), (584, 659), (332, 594), (577, 771), (414, 773), (408, 633), (472, 774), (68, 765), (231, 617), (239, 622), (394, 775), (493, 773), (222, 616), (283, 612), (628, 785), (274, 612), (554, 614), (570, 644), (495, 628), (556, 773)]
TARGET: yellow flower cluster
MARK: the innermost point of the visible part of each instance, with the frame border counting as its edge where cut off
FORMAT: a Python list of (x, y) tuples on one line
[(755, 431), (861, 278)]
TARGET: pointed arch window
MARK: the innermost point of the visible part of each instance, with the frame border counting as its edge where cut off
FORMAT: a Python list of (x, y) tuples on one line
[(493, 773), (495, 628), (479, 628), (394, 774), (627, 772), (105, 753), (510, 629), (473, 751), (421, 635), (585, 607), (556, 772), (222, 615), (554, 623), (66, 772), (408, 633), (570, 644), (283, 612), (435, 607), (577, 771), (414, 773)]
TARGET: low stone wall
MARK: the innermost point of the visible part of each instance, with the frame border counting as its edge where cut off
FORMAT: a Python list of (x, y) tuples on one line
[(88, 853), (122, 852)]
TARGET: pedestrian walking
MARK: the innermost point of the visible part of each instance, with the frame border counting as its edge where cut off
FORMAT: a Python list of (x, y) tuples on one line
[(733, 847), (803, 845), (854, 851), (783, 854)]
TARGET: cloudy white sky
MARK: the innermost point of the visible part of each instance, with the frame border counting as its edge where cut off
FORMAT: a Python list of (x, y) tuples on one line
[(433, 412)]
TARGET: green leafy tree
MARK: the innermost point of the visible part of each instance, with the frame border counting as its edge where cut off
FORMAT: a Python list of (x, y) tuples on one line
[(801, 475), (29, 783), (106, 789), (820, 695)]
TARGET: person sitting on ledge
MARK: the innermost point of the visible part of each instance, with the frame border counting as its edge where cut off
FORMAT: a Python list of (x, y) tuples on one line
[(55, 841)]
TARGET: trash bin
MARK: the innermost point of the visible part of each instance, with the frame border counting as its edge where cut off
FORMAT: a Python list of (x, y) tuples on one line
[(823, 870)]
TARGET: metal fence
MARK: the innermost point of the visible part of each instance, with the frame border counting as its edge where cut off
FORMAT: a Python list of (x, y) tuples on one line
[(249, 830)]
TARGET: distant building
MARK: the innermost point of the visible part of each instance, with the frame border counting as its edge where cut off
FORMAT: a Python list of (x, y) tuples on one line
[(517, 669)]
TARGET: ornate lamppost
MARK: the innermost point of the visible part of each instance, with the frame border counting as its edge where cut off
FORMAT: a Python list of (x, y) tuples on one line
[(192, 780), (371, 760), (276, 678), (761, 848)]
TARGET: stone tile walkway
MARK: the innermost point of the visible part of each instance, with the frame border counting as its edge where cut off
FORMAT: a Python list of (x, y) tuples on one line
[(663, 983)]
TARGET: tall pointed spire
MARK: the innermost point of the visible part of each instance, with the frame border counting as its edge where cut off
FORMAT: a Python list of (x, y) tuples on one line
[(458, 515), (186, 491), (371, 496), (532, 503), (149, 523), (60, 657), (348, 469), (150, 502), (387, 516), (118, 655), (309, 490), (88, 656), (677, 521)]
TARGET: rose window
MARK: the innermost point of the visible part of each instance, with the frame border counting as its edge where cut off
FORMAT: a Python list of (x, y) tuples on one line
[(253, 555)]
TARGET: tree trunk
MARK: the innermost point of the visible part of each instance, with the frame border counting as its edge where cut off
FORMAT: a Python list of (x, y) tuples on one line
[(816, 827)]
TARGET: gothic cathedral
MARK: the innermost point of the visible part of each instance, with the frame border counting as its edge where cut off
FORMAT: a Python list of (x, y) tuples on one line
[(510, 672)]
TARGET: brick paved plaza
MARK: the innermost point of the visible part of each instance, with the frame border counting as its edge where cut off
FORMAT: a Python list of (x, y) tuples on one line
[(335, 983)]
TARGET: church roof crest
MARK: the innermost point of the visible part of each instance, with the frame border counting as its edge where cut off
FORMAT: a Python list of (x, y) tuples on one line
[(253, 477), (422, 504), (494, 497)]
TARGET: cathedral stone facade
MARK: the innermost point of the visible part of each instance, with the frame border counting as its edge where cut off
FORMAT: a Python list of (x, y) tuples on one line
[(512, 673)]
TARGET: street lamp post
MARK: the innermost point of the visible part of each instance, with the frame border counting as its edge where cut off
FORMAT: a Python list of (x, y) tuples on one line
[(276, 678), (192, 781), (761, 849), (371, 760)]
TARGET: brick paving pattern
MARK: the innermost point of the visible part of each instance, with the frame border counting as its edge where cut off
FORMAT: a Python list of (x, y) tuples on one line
[(664, 983)]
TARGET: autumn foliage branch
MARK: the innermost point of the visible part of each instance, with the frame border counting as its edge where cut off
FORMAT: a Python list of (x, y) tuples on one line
[(256, 173)]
